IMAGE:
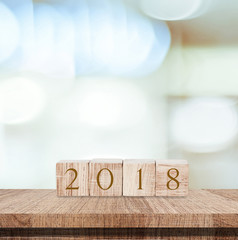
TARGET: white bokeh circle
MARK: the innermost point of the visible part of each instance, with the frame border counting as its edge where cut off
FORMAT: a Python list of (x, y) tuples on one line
[(171, 10), (111, 104), (103, 104), (21, 100), (204, 124)]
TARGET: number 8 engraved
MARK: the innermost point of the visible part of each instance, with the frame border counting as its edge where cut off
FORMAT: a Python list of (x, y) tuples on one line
[(173, 179)]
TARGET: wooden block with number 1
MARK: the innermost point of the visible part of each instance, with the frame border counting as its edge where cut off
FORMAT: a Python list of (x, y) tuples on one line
[(72, 178), (138, 177), (172, 178), (105, 177)]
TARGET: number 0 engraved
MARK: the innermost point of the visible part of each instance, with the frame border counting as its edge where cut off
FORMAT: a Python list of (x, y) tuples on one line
[(140, 181), (75, 176), (98, 181), (173, 179)]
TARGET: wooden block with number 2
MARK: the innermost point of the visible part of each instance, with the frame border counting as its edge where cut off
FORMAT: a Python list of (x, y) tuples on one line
[(72, 178), (171, 178)]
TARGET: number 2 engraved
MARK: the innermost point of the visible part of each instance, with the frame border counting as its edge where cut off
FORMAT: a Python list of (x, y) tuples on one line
[(173, 179), (70, 187), (140, 181)]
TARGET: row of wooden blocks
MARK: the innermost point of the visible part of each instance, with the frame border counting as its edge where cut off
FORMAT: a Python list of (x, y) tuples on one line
[(115, 177)]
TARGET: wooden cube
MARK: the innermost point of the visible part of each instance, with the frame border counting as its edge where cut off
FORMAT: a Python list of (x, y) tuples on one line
[(105, 177), (171, 178), (72, 178), (138, 177)]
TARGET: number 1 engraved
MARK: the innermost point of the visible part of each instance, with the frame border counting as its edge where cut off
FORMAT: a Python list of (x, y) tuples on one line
[(140, 181), (173, 179), (75, 176)]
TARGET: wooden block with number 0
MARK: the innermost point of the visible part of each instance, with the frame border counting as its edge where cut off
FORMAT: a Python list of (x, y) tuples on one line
[(72, 178), (105, 177), (172, 178), (138, 177)]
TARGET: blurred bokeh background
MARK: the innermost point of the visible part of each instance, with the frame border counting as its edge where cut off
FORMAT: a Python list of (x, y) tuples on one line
[(118, 78)]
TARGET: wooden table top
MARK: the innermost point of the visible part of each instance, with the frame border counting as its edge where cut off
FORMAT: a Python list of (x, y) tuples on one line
[(43, 209)]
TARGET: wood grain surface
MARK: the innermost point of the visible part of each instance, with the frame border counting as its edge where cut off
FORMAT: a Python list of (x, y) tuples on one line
[(43, 209)]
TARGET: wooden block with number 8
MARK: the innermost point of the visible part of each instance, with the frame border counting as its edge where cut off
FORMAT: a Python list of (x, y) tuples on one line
[(138, 178), (72, 178), (105, 177), (171, 178)]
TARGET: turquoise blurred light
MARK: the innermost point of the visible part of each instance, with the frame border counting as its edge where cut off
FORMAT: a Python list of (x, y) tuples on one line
[(9, 32), (86, 37), (53, 47), (114, 39)]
